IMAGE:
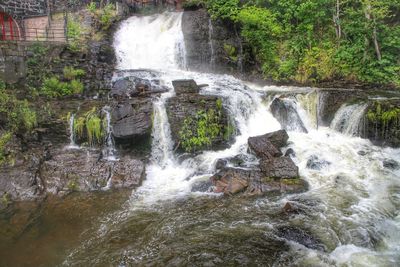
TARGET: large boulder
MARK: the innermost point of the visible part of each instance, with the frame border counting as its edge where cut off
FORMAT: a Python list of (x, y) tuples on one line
[(133, 86), (132, 119), (283, 167), (188, 107), (285, 112), (267, 145), (76, 170)]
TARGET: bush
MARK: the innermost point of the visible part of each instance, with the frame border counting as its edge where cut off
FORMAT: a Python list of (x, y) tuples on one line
[(53, 87), (70, 73)]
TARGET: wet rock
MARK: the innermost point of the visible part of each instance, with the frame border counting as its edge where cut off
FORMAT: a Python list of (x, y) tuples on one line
[(263, 148), (284, 111), (362, 153), (290, 153), (391, 164), (221, 163), (132, 119), (185, 87), (314, 163), (283, 167), (123, 88), (230, 183), (253, 182), (77, 170), (201, 186), (300, 236), (187, 106), (127, 173)]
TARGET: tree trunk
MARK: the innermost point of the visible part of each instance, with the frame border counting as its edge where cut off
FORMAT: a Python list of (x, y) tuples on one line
[(369, 17), (336, 21)]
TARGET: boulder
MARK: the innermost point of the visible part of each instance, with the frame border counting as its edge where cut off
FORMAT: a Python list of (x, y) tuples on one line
[(185, 87), (283, 167), (76, 170), (123, 88), (187, 106), (132, 119), (201, 186), (391, 164), (267, 145), (284, 111), (314, 163)]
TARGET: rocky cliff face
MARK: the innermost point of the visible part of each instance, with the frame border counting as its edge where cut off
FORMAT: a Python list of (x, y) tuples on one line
[(212, 45)]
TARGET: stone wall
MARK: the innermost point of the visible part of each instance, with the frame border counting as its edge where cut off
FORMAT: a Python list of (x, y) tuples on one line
[(24, 8), (12, 62)]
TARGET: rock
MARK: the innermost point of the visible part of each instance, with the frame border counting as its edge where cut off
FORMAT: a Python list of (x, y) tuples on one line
[(391, 164), (362, 153), (201, 186), (279, 168), (123, 88), (187, 106), (279, 138), (300, 236), (253, 182), (285, 112), (263, 148), (185, 87), (314, 163), (230, 183), (221, 163), (132, 119), (127, 173), (290, 153), (76, 170)]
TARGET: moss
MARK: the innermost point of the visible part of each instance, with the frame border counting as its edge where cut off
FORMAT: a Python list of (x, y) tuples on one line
[(4, 140), (73, 185), (295, 181), (70, 73)]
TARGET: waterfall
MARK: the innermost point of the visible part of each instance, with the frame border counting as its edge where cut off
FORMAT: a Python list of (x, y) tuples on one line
[(109, 147), (71, 129), (151, 42), (348, 118), (211, 43), (351, 207)]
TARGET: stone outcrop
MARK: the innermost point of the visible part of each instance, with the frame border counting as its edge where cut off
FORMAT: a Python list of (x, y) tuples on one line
[(187, 104), (275, 173)]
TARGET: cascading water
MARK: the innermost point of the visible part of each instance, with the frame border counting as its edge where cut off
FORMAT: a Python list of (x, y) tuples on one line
[(352, 206), (109, 147), (348, 118), (211, 42), (72, 143)]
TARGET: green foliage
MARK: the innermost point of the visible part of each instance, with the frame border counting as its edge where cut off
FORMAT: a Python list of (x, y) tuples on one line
[(73, 185), (53, 87), (90, 126), (91, 7), (384, 115), (4, 139), (225, 9), (75, 35), (299, 40), (200, 131), (193, 3), (231, 52), (70, 73)]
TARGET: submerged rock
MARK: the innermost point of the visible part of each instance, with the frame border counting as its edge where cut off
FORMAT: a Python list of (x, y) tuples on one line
[(391, 164), (314, 163), (286, 114), (300, 236)]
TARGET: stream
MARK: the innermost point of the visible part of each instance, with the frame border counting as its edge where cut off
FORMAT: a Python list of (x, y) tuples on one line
[(348, 217)]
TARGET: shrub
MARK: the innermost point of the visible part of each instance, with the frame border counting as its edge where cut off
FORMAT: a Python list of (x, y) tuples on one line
[(70, 73)]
